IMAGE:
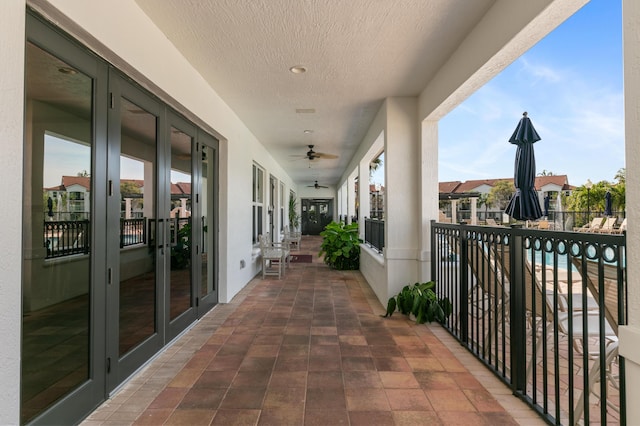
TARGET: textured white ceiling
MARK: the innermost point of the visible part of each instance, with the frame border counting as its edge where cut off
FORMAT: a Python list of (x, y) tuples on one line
[(357, 52)]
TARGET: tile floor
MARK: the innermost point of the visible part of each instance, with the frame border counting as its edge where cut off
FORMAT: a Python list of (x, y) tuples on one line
[(312, 349)]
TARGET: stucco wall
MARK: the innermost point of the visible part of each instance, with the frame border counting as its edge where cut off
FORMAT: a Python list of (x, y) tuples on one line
[(11, 136), (630, 335)]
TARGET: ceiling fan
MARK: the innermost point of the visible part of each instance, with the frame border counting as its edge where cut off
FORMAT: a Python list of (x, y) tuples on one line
[(316, 186), (312, 155)]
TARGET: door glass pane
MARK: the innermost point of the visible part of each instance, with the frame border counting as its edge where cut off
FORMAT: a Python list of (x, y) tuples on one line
[(208, 243), (137, 226), (180, 217), (57, 226)]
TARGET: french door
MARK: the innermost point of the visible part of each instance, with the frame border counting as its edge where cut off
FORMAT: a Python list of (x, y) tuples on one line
[(162, 271), (120, 228), (316, 214)]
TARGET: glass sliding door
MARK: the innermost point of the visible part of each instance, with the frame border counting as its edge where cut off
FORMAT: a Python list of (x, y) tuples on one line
[(62, 358)]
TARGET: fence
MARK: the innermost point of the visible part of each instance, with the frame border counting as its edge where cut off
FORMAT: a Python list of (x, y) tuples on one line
[(541, 309), (374, 233), (132, 232), (65, 238)]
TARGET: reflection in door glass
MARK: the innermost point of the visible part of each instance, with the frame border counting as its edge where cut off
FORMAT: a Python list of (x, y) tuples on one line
[(180, 217), (57, 221), (137, 226), (208, 243)]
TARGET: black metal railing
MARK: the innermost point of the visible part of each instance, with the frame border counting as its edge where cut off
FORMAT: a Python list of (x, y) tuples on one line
[(65, 238), (541, 309), (132, 232), (374, 233), (562, 220)]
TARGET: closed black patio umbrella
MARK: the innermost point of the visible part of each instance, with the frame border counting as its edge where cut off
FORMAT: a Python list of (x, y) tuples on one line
[(546, 205), (524, 205), (607, 203)]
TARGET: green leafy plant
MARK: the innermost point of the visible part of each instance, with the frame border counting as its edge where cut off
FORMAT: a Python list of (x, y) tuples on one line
[(341, 246), (181, 252), (294, 217), (420, 300)]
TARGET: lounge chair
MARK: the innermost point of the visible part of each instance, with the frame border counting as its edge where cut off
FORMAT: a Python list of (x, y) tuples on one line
[(491, 222), (594, 226), (544, 224), (544, 305), (608, 225), (443, 218), (621, 228), (603, 280)]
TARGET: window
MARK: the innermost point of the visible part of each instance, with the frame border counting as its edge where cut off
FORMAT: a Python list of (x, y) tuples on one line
[(376, 187), (258, 201), (281, 207)]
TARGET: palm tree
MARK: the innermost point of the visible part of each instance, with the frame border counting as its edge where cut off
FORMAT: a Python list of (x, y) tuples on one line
[(483, 200)]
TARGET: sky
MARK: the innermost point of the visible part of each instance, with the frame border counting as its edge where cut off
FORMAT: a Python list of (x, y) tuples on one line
[(570, 84)]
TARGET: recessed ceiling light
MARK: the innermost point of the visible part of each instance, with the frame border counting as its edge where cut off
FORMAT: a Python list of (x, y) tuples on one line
[(67, 70), (308, 131), (298, 69)]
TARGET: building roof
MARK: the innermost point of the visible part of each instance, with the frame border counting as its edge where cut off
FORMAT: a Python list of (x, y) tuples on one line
[(449, 187), (457, 187)]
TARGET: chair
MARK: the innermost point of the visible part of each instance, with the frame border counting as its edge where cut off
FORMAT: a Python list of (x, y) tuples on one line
[(544, 224), (443, 218), (541, 304), (292, 238), (274, 257), (608, 225), (610, 277), (491, 222), (621, 228), (595, 224)]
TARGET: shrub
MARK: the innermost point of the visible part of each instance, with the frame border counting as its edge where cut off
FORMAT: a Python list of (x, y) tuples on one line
[(420, 300), (341, 246)]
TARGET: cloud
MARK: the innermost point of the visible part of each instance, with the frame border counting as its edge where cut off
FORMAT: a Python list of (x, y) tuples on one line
[(538, 73), (579, 117)]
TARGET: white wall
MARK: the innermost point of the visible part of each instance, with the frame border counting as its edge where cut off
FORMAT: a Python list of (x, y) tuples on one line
[(138, 48), (11, 137)]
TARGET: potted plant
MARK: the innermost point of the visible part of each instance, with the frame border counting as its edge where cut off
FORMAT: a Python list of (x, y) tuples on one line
[(294, 217), (420, 300), (181, 251), (341, 246)]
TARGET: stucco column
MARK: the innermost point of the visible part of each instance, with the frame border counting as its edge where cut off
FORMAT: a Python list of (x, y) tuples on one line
[(429, 192), (183, 207), (474, 210), (364, 201), (454, 211), (351, 198), (402, 201), (127, 208), (630, 334)]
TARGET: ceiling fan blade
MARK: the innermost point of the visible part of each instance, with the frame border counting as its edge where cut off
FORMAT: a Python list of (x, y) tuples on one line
[(325, 156)]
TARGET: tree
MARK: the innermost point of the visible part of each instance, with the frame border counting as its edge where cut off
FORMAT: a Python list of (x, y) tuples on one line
[(500, 194), (483, 200), (375, 164), (583, 199), (546, 173), (129, 188)]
